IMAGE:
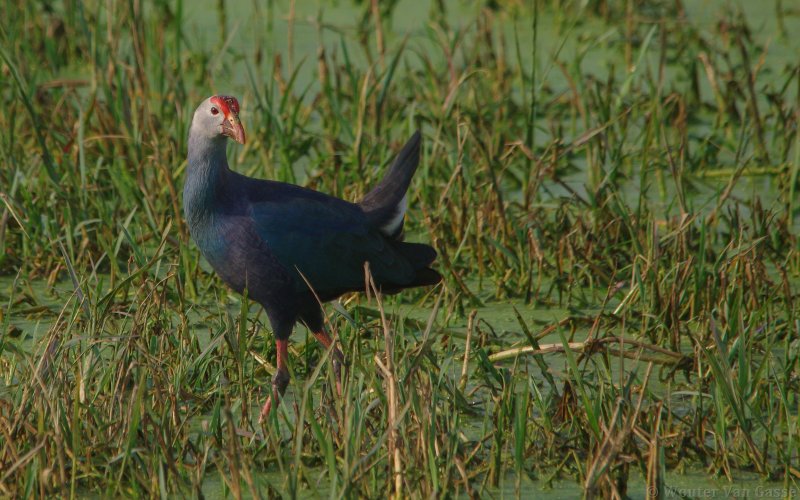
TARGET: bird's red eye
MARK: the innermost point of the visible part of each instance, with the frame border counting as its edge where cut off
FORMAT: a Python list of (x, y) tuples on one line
[(214, 111)]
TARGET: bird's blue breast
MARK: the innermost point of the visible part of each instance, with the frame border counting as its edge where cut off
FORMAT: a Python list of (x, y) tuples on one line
[(241, 257)]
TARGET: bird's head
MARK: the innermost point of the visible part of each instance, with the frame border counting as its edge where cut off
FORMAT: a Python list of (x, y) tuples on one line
[(218, 117)]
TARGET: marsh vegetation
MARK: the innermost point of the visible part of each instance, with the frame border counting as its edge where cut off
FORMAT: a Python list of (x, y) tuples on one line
[(611, 187)]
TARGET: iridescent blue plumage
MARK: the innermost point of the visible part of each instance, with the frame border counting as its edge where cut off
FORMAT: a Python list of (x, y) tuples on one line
[(275, 239)]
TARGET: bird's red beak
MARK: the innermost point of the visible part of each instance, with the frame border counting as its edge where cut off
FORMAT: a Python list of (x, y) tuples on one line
[(232, 127)]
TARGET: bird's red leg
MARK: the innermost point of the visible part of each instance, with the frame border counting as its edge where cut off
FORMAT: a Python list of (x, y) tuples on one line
[(279, 381), (338, 358)]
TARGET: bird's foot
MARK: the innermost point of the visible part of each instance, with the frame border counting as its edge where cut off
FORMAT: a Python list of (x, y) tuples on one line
[(279, 383), (265, 411), (337, 358), (338, 362)]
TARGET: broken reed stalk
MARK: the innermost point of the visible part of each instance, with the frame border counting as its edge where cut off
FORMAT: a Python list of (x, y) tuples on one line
[(387, 369), (462, 383), (290, 37), (376, 14), (589, 346)]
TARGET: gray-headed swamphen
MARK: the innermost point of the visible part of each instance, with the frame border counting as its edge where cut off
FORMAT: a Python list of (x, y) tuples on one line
[(274, 239)]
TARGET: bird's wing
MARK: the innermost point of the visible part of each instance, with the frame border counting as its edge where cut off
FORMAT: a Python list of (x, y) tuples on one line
[(327, 240)]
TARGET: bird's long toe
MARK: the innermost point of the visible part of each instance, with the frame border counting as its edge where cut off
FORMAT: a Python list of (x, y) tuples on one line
[(265, 411), (337, 357), (279, 383), (338, 363)]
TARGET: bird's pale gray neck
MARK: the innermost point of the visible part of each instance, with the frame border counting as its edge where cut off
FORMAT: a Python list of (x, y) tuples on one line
[(207, 166)]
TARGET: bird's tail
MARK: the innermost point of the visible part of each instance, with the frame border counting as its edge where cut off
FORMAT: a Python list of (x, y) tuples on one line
[(385, 206)]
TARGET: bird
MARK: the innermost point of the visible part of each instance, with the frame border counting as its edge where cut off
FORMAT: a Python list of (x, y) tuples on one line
[(291, 248)]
